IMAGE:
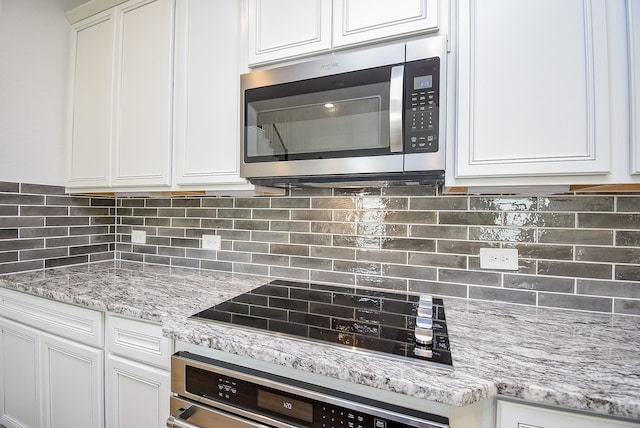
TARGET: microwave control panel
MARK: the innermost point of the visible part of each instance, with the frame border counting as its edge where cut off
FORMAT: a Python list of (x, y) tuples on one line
[(422, 101)]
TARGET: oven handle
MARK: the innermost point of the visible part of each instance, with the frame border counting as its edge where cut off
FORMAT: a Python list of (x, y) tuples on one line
[(396, 92), (205, 417), (179, 418)]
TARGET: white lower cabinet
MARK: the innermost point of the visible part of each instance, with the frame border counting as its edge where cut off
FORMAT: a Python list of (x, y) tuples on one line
[(518, 415), (138, 377), (72, 383), (51, 364), (20, 398)]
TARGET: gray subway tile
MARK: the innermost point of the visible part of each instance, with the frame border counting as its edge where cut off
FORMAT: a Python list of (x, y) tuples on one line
[(288, 272), (69, 221), (264, 236), (463, 247), (502, 295), (628, 238), (356, 241), (408, 244), (157, 202), (251, 247), (572, 301), (365, 268), (172, 212), (387, 230), (333, 228), (383, 203), (8, 256), (72, 201), (216, 265), (157, 260), (626, 289), (482, 203), (470, 277), (42, 254), (543, 251), (335, 277), (443, 203), (539, 283), (439, 232), (10, 233), (7, 210), (576, 203), (20, 199), (574, 269), (44, 189), (203, 212), (311, 215), (626, 306), (333, 203), (21, 244), (187, 263), (333, 253), (290, 226), (397, 257), (185, 242), (438, 288), (209, 202), (251, 202), (627, 272), (35, 211), (251, 269), (66, 261), (270, 214), (575, 236), (21, 266), (291, 250), (186, 202), (540, 219), (216, 223), (310, 239), (410, 190), (471, 218), (503, 234), (251, 224), (438, 260), (382, 282), (412, 272), (608, 254), (628, 204), (9, 187), (291, 203), (609, 221), (311, 263)]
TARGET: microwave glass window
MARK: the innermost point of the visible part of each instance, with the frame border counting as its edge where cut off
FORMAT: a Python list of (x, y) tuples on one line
[(322, 124)]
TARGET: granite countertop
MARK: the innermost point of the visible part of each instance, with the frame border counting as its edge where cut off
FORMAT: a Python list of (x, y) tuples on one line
[(576, 360)]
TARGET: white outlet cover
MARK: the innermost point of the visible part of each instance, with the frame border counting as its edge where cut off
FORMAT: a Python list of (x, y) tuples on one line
[(499, 258), (211, 242), (138, 237)]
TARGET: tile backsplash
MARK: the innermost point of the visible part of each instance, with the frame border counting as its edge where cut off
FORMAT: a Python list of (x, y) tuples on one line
[(576, 251), (41, 226)]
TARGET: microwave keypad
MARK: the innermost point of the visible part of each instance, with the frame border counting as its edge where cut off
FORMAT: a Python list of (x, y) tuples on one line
[(423, 117)]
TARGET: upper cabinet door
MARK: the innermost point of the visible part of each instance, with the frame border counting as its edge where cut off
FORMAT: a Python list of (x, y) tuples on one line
[(361, 21), (633, 26), (207, 91), (533, 88), (91, 68), (281, 29), (144, 73)]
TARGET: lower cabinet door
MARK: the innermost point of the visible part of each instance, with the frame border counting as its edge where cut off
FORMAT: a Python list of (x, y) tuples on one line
[(19, 375), (137, 394), (72, 384), (516, 415)]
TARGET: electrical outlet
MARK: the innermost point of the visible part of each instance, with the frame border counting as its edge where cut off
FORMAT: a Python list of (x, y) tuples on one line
[(138, 237), (211, 242), (499, 258)]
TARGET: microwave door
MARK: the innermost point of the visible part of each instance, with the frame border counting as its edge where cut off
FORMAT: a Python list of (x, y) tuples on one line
[(346, 123)]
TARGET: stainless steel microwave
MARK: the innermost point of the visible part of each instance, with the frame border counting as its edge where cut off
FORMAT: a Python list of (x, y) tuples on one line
[(372, 115)]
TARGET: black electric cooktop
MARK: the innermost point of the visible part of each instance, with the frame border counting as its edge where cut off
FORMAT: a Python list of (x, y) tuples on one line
[(361, 319)]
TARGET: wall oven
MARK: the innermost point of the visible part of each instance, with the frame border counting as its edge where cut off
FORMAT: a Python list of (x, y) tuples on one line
[(373, 114), (211, 393)]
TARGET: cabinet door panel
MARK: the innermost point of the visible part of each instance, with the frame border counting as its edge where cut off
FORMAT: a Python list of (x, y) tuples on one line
[(90, 113), (633, 25), (19, 375), (67, 364), (144, 102), (280, 29), (207, 92), (531, 101), (360, 21), (137, 394)]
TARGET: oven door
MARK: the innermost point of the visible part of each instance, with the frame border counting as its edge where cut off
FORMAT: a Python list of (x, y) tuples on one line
[(190, 415), (343, 123)]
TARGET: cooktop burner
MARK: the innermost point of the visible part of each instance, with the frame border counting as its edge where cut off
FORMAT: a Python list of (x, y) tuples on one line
[(378, 321)]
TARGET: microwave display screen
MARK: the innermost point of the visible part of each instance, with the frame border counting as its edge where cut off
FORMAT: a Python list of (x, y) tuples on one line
[(423, 82)]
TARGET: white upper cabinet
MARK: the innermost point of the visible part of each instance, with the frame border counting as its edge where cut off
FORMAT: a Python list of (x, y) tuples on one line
[(207, 93), (360, 21), (533, 88), (288, 28), (143, 99), (633, 25), (284, 29), (121, 97), (89, 148)]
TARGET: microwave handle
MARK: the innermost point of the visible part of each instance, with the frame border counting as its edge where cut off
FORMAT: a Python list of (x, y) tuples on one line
[(396, 90)]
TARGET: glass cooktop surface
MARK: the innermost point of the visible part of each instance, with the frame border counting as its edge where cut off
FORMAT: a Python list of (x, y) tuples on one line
[(362, 319)]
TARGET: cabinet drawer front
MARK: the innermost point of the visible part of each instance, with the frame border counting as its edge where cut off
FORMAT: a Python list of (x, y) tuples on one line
[(138, 340), (72, 322)]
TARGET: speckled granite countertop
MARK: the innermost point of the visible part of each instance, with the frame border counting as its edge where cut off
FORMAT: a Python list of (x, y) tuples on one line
[(575, 360)]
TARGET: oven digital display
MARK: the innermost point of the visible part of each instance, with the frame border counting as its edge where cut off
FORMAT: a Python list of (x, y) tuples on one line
[(423, 82), (285, 406)]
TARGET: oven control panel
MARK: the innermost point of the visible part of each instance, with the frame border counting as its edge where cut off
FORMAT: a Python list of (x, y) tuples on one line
[(277, 401)]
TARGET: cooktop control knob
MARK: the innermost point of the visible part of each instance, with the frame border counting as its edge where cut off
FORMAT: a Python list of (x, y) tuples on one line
[(425, 306), (424, 322)]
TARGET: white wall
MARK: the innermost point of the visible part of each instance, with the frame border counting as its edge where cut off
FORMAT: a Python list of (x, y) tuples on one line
[(34, 56)]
